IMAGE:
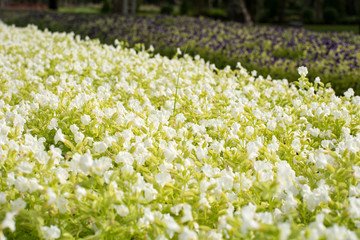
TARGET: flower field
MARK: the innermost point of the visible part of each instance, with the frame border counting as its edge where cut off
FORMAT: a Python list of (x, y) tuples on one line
[(105, 142), (335, 57)]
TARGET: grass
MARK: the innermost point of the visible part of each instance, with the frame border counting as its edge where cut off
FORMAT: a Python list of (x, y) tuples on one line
[(332, 28), (82, 9), (153, 9)]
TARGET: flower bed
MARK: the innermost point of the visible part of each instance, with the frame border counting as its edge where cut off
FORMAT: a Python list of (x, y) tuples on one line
[(335, 57), (103, 142)]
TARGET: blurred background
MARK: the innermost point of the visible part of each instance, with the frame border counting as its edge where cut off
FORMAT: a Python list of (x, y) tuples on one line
[(336, 14)]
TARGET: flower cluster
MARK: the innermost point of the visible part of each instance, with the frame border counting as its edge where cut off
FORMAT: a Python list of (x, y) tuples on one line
[(276, 51), (98, 141)]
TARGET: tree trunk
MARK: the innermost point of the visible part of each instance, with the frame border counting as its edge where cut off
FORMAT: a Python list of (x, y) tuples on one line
[(281, 11), (53, 4), (319, 10), (116, 6), (125, 7), (200, 6), (245, 11), (305, 5), (133, 7), (251, 6), (357, 7)]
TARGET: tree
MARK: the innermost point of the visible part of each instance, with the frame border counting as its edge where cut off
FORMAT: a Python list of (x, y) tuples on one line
[(53, 4), (245, 11), (122, 6), (281, 10), (319, 10), (305, 5), (238, 11), (200, 6)]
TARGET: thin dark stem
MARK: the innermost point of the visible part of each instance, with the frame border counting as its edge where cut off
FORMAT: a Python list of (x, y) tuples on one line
[(177, 80)]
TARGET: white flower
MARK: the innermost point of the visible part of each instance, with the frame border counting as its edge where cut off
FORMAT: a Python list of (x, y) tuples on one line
[(80, 192), (317, 80), (317, 227), (74, 129), (150, 192), (285, 177), (336, 232), (296, 145), (100, 147), (22, 184), (349, 93), (265, 217), (248, 218), (313, 198), (52, 232), (9, 221), (163, 178), (148, 215), (18, 204), (25, 167), (201, 153), (62, 175), (226, 181), (170, 153), (52, 196), (265, 170), (101, 165), (354, 208), (217, 147), (303, 71), (85, 163), (122, 210), (128, 168), (42, 157), (124, 157), (252, 150), (85, 119), (59, 136), (2, 197), (321, 159), (271, 124), (314, 132), (208, 170), (171, 224), (285, 230), (213, 235), (356, 171), (176, 209), (180, 118), (203, 202), (34, 185), (56, 153), (53, 124), (188, 234), (187, 213), (249, 130), (290, 203), (79, 137), (62, 204)]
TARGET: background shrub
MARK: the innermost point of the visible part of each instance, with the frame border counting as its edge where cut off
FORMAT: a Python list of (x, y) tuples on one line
[(331, 15), (308, 15)]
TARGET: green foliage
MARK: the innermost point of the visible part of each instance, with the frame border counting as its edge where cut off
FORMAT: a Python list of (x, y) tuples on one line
[(217, 13), (106, 6), (167, 9), (331, 15), (184, 7), (308, 15)]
